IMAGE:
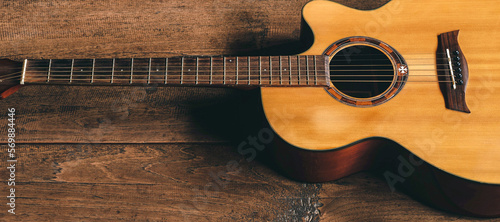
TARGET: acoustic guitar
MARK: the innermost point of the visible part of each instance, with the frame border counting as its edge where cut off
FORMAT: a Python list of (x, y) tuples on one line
[(412, 88)]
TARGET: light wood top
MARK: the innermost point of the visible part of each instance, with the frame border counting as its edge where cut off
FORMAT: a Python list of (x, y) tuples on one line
[(467, 145)]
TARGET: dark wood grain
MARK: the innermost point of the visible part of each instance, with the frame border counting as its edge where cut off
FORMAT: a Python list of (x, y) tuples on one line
[(454, 79), (151, 182), (9, 83), (74, 160)]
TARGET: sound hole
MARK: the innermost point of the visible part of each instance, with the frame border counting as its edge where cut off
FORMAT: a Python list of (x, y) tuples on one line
[(361, 71)]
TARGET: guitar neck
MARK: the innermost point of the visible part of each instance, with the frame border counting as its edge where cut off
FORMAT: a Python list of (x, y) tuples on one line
[(180, 71)]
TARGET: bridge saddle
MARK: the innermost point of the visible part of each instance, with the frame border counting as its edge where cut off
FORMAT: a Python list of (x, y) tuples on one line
[(453, 72)]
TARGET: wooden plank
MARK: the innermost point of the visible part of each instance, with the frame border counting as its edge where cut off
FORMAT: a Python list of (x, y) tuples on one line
[(150, 182), (79, 29), (122, 114), (365, 197)]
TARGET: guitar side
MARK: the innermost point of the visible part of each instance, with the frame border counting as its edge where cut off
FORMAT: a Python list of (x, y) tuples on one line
[(463, 148)]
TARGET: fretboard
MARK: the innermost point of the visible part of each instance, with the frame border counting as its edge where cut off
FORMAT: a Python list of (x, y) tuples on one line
[(203, 71)]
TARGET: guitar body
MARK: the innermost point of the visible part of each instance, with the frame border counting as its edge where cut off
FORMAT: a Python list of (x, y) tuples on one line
[(459, 168)]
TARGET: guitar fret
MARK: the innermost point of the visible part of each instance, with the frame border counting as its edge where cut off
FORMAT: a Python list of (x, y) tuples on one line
[(315, 72), (23, 76), (149, 72), (182, 69), (93, 70), (131, 70), (224, 65), (48, 74), (260, 70), (197, 69), (166, 70), (290, 68), (281, 71), (113, 70), (249, 73), (71, 73), (298, 67), (211, 69), (307, 69), (236, 70), (270, 71)]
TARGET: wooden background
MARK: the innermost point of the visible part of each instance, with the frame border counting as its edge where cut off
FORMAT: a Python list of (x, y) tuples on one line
[(152, 154)]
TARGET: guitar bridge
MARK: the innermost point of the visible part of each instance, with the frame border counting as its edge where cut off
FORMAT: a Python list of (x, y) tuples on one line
[(453, 72)]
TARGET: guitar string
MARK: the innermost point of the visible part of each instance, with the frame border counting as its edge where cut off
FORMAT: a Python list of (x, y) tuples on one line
[(332, 75), (208, 66), (299, 61), (62, 77), (177, 77), (146, 66), (256, 68), (243, 68), (193, 81), (242, 82)]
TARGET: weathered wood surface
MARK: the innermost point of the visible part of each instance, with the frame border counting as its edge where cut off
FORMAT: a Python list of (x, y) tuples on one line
[(149, 153)]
